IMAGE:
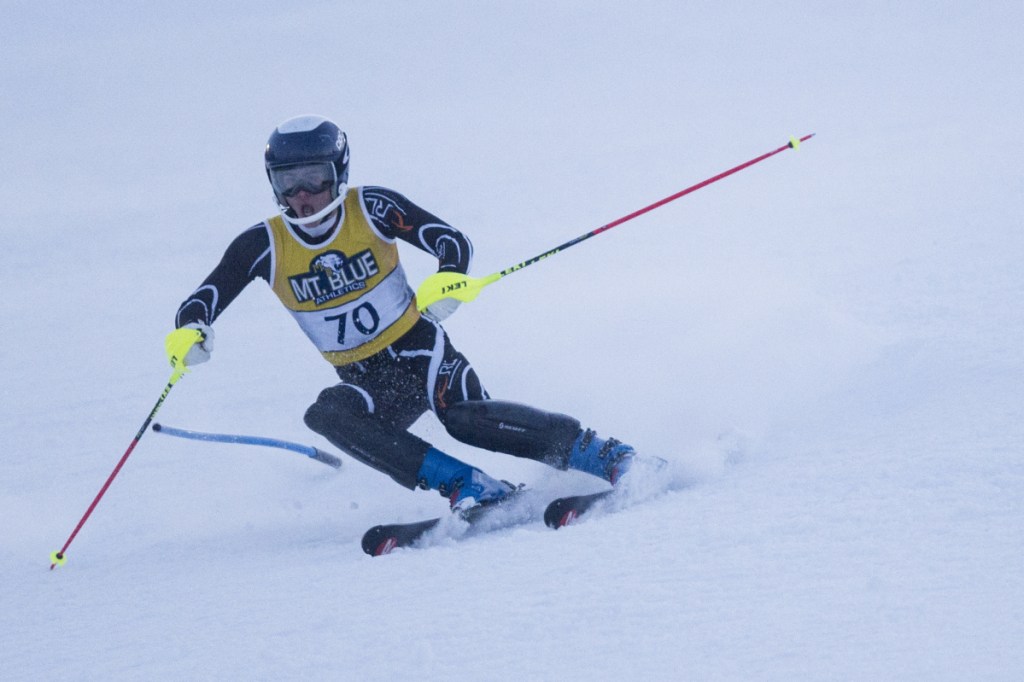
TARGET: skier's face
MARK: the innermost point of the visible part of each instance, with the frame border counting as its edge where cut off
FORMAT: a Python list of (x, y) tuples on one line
[(304, 204)]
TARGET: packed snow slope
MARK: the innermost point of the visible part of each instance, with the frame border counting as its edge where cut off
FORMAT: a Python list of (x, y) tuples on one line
[(828, 347)]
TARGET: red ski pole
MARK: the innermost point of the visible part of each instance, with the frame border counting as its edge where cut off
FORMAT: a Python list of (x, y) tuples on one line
[(465, 288), (186, 341)]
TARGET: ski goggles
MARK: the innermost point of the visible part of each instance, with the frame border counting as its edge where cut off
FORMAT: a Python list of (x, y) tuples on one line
[(313, 178)]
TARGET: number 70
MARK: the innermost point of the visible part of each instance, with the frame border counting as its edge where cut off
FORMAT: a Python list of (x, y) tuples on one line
[(365, 319)]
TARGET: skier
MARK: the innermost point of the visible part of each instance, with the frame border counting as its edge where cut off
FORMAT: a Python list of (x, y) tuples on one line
[(331, 258)]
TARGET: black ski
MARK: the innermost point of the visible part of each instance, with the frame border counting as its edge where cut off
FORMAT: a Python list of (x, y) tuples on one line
[(514, 510), (566, 510)]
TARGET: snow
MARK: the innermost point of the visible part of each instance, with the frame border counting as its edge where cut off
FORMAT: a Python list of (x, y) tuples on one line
[(828, 347)]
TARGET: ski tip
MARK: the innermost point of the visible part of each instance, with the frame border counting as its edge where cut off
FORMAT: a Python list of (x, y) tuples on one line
[(377, 541), (566, 510), (381, 540), (371, 539), (559, 514)]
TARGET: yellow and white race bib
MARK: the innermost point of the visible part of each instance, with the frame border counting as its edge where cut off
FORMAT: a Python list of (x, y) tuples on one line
[(349, 295)]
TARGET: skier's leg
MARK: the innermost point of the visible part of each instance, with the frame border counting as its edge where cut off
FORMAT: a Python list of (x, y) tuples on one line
[(342, 415), (446, 378), (514, 429), (368, 416), (469, 415), (549, 437)]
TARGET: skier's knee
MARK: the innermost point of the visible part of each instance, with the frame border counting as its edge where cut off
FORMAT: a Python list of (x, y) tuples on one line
[(338, 404)]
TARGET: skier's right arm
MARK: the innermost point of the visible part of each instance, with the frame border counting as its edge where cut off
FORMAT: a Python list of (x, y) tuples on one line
[(245, 259)]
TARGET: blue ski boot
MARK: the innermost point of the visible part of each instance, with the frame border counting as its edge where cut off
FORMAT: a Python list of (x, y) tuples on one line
[(465, 486), (608, 459)]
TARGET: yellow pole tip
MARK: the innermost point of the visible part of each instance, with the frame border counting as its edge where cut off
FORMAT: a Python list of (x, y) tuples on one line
[(58, 559)]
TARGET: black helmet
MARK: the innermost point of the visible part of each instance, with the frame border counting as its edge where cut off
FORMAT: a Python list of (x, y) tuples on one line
[(308, 141)]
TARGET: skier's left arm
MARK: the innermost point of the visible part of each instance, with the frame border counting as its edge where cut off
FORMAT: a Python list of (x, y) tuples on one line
[(398, 218)]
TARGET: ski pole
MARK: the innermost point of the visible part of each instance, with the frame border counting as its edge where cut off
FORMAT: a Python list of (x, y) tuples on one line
[(176, 352), (307, 450), (465, 288)]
